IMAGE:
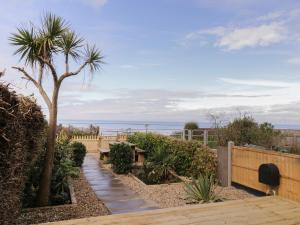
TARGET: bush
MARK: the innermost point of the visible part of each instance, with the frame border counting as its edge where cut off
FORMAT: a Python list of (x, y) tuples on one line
[(59, 184), (204, 162), (63, 168), (22, 139), (182, 152), (191, 126), (79, 152), (121, 158), (246, 130)]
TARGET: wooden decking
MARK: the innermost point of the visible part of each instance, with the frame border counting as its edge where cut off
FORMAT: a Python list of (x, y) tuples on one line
[(264, 210)]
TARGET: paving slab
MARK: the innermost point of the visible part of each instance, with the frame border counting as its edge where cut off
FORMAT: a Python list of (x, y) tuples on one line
[(117, 197)]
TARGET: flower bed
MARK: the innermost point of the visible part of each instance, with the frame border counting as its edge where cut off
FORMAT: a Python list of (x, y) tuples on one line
[(150, 178)]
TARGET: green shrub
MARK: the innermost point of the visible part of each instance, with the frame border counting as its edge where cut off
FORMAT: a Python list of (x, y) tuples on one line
[(202, 190), (159, 164), (63, 168), (59, 184), (246, 130), (204, 162), (182, 152), (79, 152), (191, 126), (121, 158)]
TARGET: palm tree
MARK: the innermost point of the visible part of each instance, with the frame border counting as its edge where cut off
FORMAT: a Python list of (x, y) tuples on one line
[(37, 47)]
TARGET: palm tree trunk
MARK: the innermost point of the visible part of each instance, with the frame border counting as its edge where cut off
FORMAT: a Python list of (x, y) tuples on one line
[(45, 181)]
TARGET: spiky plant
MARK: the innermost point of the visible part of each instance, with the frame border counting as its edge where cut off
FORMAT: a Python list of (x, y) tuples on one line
[(202, 190)]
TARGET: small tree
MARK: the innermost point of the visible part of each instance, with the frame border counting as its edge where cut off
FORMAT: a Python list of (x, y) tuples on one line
[(243, 130), (191, 126), (38, 46)]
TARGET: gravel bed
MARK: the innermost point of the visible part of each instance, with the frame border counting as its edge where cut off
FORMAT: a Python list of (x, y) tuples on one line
[(87, 205), (172, 195)]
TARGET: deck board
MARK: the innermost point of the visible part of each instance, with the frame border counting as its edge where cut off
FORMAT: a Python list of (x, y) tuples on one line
[(254, 211)]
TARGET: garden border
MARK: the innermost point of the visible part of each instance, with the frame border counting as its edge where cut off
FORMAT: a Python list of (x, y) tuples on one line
[(72, 198)]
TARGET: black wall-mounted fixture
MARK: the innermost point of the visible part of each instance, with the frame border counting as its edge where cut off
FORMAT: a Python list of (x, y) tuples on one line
[(269, 174)]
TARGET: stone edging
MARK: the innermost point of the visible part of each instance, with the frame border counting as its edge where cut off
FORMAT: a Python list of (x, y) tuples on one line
[(137, 179)]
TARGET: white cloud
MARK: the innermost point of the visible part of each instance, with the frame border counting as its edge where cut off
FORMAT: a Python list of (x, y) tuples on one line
[(262, 83), (128, 66), (97, 3), (262, 35), (295, 61), (238, 38)]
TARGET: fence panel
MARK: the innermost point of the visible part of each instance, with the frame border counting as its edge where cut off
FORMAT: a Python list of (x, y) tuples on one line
[(245, 164)]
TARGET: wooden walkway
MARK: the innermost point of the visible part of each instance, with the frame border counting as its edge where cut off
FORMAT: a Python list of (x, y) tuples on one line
[(254, 211)]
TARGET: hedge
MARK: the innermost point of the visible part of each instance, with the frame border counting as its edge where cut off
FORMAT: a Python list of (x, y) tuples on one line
[(121, 158), (22, 132), (186, 154)]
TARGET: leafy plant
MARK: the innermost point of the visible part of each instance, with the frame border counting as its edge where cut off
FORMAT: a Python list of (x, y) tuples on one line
[(160, 162), (182, 152), (64, 171), (202, 190), (204, 162), (79, 152), (121, 158)]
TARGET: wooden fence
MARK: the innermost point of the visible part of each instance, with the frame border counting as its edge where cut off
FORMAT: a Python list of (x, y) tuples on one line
[(246, 161)]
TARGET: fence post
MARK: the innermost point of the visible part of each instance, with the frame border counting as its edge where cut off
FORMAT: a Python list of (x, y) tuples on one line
[(230, 147), (189, 135), (205, 138)]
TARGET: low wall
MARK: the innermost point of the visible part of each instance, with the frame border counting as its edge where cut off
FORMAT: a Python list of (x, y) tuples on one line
[(245, 164), (93, 143)]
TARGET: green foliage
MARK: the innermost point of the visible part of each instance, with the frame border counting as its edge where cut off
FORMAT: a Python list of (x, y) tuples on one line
[(148, 141), (204, 162), (246, 130), (242, 131), (78, 153), (121, 158), (191, 126), (41, 42), (202, 190), (159, 164), (268, 136), (22, 137), (64, 168), (181, 153), (59, 185)]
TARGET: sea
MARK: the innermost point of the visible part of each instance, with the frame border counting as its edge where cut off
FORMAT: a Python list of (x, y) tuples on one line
[(116, 126)]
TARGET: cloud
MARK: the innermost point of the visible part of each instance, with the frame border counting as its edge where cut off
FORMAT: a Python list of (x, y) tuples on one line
[(96, 3), (238, 38), (259, 82), (128, 66), (295, 61), (262, 35)]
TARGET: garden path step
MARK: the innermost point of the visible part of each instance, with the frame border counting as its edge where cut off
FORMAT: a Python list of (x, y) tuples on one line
[(117, 197)]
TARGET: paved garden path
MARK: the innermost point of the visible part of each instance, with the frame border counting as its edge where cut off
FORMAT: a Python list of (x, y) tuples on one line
[(117, 197)]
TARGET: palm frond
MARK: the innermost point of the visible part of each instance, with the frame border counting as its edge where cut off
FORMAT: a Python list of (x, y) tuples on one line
[(94, 58), (69, 44), (27, 41), (53, 27)]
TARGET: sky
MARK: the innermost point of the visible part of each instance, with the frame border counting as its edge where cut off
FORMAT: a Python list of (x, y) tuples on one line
[(172, 60)]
